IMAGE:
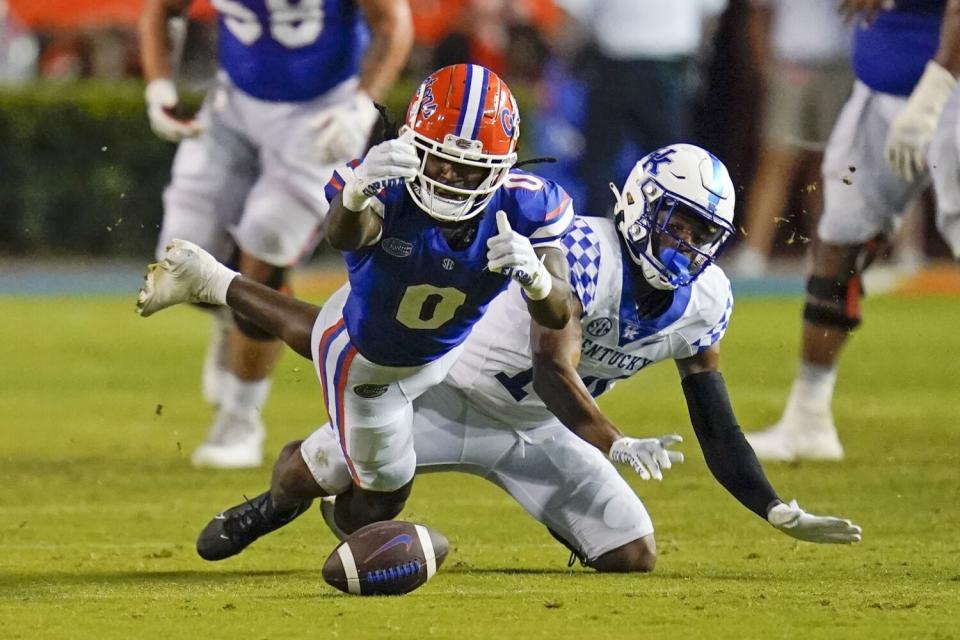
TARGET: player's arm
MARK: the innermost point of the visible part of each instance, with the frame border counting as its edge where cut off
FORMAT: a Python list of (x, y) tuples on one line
[(912, 129), (391, 26), (734, 464), (553, 310), (161, 94), (353, 220), (556, 354), (343, 128), (154, 42)]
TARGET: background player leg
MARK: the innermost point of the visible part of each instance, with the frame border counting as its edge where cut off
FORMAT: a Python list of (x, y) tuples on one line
[(831, 313), (236, 436)]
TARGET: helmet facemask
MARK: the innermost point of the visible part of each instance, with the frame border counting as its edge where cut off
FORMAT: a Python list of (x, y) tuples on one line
[(450, 203)]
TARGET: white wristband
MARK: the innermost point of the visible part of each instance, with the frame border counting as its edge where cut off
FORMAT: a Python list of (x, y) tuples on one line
[(353, 199), (541, 285)]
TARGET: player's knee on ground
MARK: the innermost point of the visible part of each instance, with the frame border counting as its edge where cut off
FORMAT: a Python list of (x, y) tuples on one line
[(275, 278), (359, 507), (638, 556), (834, 300)]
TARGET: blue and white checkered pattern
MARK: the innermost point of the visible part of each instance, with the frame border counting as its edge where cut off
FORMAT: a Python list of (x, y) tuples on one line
[(582, 249), (714, 335)]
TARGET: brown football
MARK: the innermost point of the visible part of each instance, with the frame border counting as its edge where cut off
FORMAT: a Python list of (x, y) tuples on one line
[(386, 558)]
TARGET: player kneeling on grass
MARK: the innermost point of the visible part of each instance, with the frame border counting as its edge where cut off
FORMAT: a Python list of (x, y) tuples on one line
[(433, 225), (646, 290)]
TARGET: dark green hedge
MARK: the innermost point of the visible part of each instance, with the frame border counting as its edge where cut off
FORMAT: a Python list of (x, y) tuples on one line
[(80, 170)]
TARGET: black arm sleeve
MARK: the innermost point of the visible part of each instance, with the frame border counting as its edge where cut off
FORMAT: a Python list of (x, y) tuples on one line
[(728, 455)]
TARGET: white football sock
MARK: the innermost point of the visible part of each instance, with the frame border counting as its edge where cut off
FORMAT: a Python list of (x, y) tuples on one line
[(812, 390), (242, 395)]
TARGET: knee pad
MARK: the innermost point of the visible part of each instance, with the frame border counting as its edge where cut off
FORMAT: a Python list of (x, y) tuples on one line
[(277, 281), (835, 301)]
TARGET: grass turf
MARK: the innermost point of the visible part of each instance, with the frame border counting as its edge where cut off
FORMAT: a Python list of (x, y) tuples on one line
[(99, 507)]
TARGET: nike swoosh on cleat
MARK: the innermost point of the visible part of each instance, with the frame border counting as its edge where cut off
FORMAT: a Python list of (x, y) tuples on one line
[(224, 537)]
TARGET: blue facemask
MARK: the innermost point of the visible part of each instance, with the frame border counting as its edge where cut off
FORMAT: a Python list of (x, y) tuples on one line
[(676, 264)]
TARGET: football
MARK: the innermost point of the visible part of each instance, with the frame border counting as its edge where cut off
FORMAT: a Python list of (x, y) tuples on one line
[(385, 558)]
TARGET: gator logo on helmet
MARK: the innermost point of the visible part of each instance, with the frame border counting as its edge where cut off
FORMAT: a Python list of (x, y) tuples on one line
[(508, 120)]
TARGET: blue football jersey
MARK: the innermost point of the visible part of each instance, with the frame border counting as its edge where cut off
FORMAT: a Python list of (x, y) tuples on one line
[(412, 297), (890, 54), (290, 50)]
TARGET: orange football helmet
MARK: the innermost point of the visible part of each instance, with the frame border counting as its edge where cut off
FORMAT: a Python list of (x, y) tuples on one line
[(465, 114)]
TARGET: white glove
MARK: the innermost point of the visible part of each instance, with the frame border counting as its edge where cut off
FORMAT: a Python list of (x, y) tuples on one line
[(386, 164), (343, 129), (912, 129), (646, 455), (511, 254), (161, 98), (797, 523)]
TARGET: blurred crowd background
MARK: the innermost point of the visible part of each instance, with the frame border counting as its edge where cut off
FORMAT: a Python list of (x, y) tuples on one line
[(758, 82)]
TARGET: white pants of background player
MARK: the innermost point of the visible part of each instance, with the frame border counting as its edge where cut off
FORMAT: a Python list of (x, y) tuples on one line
[(250, 179), (558, 478), (370, 405), (863, 197), (944, 161)]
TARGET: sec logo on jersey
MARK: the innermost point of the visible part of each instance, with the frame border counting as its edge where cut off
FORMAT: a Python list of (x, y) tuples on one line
[(600, 327)]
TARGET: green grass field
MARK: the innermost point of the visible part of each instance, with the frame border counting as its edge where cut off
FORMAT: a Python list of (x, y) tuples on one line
[(99, 507)]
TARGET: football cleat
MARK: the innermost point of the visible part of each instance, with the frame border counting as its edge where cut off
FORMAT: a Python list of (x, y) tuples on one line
[(327, 508), (233, 530), (235, 442), (186, 273), (798, 437)]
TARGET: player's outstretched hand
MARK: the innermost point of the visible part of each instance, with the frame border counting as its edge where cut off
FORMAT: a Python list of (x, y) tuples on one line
[(161, 98), (388, 163), (647, 456), (511, 254), (342, 130), (912, 129), (797, 523)]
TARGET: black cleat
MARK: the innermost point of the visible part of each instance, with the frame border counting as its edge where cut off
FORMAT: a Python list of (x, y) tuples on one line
[(233, 530)]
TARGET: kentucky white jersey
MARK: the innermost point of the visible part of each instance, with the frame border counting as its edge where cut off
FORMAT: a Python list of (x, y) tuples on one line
[(495, 370)]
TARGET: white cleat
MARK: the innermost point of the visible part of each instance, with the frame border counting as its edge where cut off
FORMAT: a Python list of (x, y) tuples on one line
[(810, 437), (186, 273), (327, 505), (235, 442)]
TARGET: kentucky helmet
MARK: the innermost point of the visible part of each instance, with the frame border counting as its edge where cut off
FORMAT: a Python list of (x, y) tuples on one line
[(675, 212)]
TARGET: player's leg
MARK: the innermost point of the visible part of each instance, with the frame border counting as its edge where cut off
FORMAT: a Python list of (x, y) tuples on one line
[(863, 203), (304, 470), (944, 161), (556, 477), (370, 407), (572, 489)]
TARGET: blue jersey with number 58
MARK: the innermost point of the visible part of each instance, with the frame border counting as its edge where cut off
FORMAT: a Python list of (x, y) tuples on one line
[(290, 50), (413, 298)]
